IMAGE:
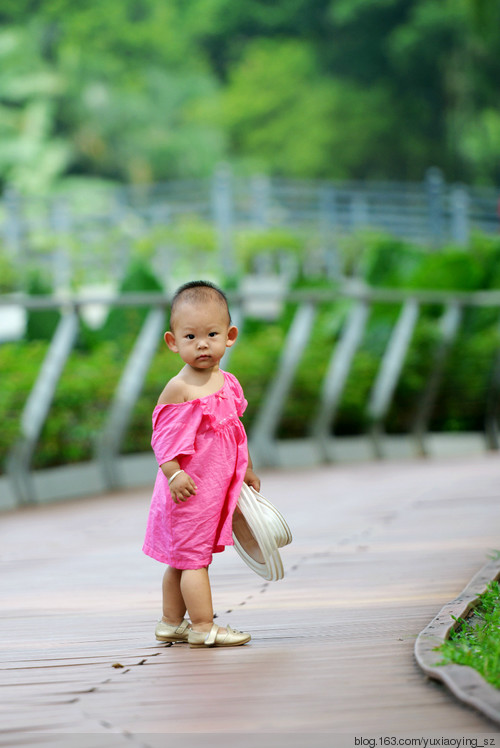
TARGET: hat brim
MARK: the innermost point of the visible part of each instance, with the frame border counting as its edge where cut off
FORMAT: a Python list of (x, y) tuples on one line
[(259, 530)]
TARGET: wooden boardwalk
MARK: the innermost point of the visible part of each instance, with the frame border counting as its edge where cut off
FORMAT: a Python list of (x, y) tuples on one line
[(378, 549)]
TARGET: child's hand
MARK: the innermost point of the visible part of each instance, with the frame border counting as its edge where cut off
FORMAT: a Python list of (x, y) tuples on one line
[(251, 479), (182, 487)]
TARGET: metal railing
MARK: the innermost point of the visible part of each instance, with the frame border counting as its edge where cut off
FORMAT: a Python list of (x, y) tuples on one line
[(92, 239), (267, 420)]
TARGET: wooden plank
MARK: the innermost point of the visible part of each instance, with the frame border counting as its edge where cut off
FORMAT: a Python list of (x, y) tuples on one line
[(378, 549)]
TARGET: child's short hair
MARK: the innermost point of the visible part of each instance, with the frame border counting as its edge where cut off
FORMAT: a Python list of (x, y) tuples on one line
[(198, 291)]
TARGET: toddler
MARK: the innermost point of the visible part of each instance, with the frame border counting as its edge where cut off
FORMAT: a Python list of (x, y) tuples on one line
[(201, 447)]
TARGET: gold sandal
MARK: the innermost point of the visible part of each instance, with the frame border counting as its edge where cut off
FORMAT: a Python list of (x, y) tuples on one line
[(216, 638), (165, 632)]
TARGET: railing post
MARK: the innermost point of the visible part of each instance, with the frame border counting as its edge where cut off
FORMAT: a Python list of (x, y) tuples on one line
[(223, 215), (327, 209), (460, 228), (13, 221), (390, 370), (263, 432), (328, 226), (435, 189), (129, 388), (260, 187), (360, 216), (449, 325), (13, 228), (38, 405), (336, 376), (61, 264)]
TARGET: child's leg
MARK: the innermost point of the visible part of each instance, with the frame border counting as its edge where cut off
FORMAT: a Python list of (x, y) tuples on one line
[(174, 607), (197, 595)]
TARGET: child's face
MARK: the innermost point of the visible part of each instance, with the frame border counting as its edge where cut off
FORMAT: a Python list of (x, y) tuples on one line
[(201, 334)]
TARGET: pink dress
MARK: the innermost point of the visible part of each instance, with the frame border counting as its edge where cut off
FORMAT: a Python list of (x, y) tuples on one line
[(210, 443)]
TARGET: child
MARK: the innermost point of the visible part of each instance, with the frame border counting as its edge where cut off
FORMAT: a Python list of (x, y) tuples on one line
[(201, 448)]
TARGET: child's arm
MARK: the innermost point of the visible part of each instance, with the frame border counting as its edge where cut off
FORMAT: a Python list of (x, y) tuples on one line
[(251, 478), (182, 486)]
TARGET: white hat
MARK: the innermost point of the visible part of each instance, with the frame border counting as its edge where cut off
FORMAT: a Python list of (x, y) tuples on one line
[(259, 529)]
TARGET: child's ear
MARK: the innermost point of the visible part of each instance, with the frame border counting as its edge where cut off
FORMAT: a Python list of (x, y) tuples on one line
[(232, 334), (170, 341)]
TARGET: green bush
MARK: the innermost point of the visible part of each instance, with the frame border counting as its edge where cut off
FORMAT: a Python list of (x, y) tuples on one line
[(79, 407), (416, 370), (486, 251), (255, 358), (271, 242), (8, 274), (19, 365), (302, 405), (448, 270), (124, 323), (388, 261), (467, 376), (41, 323)]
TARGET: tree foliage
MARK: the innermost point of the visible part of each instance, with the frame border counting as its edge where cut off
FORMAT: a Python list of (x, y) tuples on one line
[(145, 90)]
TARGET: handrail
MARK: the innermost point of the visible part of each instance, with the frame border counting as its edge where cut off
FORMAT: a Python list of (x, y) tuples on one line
[(349, 290), (269, 415)]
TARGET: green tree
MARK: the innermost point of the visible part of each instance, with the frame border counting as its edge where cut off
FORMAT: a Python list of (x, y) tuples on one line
[(283, 115), (117, 85), (141, 90), (32, 152)]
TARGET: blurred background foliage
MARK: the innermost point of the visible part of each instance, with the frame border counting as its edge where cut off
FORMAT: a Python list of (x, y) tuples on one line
[(135, 92), (146, 90)]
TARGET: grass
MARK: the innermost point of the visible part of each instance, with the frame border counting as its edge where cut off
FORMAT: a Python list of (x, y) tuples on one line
[(476, 640)]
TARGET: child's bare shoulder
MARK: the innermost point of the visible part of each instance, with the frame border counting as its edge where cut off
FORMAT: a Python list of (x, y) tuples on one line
[(175, 391)]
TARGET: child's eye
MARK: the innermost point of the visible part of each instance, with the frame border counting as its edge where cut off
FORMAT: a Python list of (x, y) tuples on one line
[(190, 336), (212, 334)]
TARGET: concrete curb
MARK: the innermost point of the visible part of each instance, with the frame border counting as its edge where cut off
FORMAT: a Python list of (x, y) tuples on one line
[(464, 682)]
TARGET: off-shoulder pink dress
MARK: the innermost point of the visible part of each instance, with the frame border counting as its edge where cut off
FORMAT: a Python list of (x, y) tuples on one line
[(210, 443)]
